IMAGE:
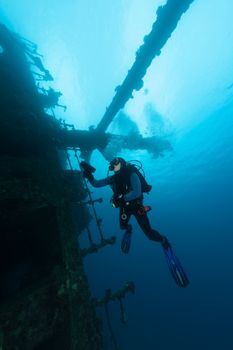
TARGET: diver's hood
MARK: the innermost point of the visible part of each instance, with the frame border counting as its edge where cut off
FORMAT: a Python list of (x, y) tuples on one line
[(116, 161)]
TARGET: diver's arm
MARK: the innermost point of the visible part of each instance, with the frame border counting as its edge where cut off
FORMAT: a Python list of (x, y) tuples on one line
[(99, 183), (136, 188)]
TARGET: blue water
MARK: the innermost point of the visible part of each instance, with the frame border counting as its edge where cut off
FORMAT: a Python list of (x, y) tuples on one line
[(89, 49), (192, 205)]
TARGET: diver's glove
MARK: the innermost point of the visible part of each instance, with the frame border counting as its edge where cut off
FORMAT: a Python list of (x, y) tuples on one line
[(114, 202), (117, 201), (88, 175), (121, 200), (88, 170)]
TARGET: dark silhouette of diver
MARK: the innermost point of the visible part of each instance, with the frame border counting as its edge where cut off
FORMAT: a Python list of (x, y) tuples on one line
[(128, 185), (127, 189)]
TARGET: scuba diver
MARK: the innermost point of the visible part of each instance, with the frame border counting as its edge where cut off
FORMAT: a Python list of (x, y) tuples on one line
[(128, 185)]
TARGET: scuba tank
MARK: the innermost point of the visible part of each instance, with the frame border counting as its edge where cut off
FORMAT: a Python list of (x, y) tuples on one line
[(146, 188), (123, 178)]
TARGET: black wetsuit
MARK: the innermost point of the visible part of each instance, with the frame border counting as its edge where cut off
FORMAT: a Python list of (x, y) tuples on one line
[(128, 184)]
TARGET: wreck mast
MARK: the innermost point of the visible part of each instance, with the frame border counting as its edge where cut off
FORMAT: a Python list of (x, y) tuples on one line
[(168, 17)]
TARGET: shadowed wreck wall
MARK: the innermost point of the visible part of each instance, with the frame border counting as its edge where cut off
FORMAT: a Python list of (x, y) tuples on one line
[(45, 302)]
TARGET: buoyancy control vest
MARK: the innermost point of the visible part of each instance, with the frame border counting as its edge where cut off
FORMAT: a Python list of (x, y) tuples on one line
[(120, 181)]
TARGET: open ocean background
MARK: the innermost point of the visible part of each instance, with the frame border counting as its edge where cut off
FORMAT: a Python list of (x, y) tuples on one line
[(187, 98)]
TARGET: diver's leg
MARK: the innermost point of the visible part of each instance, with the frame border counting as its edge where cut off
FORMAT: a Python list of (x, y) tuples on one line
[(144, 224), (152, 234)]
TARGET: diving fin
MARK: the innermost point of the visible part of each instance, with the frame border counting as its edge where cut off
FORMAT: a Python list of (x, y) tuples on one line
[(126, 240), (176, 268)]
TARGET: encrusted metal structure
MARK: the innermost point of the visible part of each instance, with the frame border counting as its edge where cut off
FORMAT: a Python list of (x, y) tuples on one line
[(45, 302)]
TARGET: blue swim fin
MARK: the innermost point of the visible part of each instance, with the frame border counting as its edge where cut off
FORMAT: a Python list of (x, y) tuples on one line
[(126, 240), (176, 268)]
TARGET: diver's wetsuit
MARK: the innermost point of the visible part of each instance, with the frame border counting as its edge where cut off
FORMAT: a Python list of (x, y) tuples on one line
[(133, 202)]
